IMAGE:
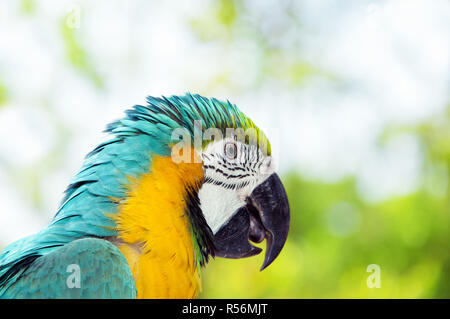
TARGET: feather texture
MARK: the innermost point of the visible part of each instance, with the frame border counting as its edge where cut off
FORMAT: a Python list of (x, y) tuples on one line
[(108, 172)]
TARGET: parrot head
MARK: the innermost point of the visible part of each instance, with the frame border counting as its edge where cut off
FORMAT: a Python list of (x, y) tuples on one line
[(243, 199)]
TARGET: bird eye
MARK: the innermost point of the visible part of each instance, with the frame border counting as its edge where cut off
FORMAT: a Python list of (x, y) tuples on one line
[(230, 150)]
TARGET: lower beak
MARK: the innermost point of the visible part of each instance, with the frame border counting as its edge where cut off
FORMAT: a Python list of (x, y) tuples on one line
[(266, 216)]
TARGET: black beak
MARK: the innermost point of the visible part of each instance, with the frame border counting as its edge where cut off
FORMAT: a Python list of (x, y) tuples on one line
[(266, 216)]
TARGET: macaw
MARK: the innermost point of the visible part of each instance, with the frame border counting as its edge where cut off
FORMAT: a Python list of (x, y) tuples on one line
[(148, 209)]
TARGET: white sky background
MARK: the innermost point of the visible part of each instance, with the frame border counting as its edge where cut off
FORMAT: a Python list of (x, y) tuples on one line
[(392, 59)]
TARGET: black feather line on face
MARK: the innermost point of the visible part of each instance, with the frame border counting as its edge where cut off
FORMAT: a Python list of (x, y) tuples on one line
[(201, 230)]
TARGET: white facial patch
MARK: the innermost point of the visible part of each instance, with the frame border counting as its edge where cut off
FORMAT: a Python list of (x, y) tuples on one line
[(232, 171)]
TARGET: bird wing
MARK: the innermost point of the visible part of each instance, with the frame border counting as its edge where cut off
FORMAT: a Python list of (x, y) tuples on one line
[(84, 268)]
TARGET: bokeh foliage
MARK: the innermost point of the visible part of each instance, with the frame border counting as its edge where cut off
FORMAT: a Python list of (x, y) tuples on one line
[(335, 233)]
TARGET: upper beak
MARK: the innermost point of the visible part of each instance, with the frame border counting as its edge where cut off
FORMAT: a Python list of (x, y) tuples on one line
[(266, 216)]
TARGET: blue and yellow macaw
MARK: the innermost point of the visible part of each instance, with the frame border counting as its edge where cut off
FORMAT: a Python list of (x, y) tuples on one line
[(152, 204)]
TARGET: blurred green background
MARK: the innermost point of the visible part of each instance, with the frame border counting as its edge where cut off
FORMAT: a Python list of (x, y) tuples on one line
[(355, 94)]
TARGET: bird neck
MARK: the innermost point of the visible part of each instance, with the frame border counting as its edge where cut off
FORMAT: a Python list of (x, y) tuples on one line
[(156, 233)]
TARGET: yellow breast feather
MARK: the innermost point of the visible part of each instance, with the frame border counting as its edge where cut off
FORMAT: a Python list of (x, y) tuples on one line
[(154, 231)]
